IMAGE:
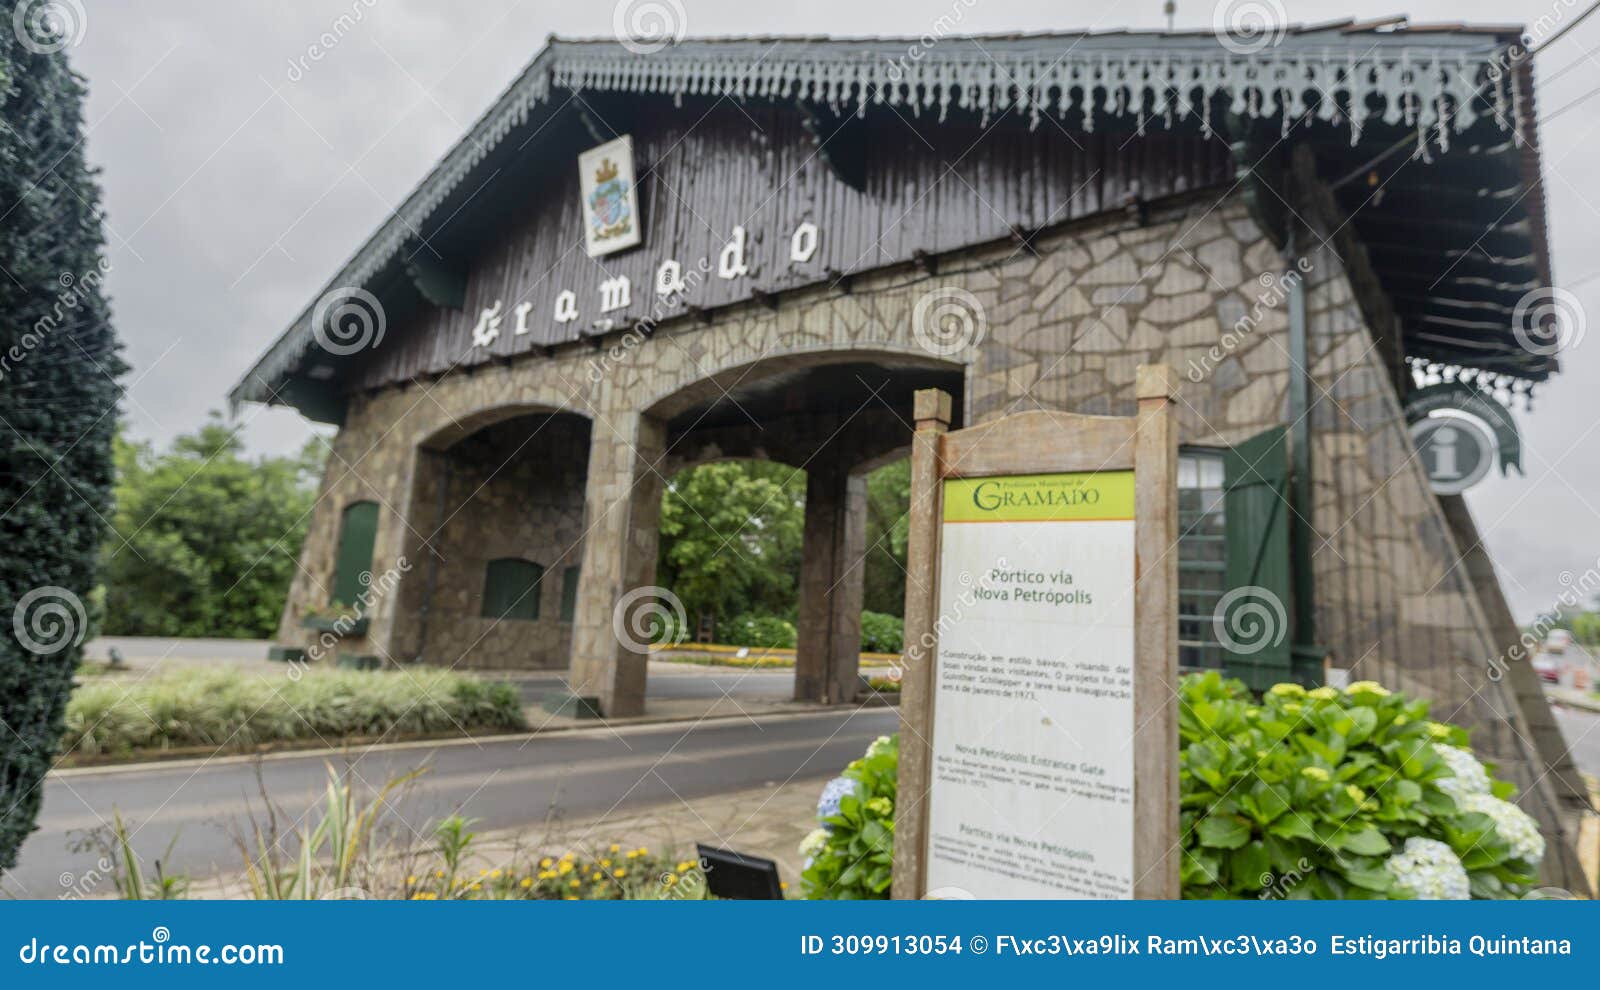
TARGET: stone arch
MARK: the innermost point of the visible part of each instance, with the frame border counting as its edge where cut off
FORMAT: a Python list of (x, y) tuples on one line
[(827, 409), (504, 480)]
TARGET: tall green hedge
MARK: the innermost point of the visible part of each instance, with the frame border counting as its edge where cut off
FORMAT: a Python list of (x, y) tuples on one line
[(58, 392)]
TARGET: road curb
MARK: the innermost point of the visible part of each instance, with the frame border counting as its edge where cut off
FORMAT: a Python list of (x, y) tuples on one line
[(629, 727)]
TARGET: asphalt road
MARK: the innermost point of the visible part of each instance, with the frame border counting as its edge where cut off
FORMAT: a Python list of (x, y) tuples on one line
[(510, 783), (1582, 732)]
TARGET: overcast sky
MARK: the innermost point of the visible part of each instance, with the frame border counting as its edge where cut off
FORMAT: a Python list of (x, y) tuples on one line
[(236, 185)]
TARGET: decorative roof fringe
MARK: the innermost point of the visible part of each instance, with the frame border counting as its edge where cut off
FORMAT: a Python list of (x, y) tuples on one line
[(1433, 90)]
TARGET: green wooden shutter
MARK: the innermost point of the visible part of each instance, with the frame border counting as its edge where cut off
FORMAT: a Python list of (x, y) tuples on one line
[(1255, 613), (511, 589), (357, 533), (569, 594)]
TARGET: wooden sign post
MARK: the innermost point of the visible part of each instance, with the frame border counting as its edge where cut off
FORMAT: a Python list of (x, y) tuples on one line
[(1038, 713)]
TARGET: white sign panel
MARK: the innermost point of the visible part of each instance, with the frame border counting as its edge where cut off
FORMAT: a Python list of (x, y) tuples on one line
[(1032, 778), (610, 203)]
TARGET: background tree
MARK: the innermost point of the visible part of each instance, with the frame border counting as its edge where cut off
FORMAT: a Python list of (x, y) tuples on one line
[(888, 501), (206, 540), (730, 539), (58, 394)]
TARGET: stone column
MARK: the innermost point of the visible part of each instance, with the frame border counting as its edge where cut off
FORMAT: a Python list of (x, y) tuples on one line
[(622, 509), (832, 571)]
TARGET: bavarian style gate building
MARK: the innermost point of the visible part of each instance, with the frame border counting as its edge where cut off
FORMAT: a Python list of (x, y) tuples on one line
[(639, 261)]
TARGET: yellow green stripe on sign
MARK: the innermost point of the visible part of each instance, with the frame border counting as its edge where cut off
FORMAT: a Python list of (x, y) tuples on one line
[(1040, 497)]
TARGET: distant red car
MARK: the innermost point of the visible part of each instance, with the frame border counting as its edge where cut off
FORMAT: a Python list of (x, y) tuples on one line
[(1547, 669)]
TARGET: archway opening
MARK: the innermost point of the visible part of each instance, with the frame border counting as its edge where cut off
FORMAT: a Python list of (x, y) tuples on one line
[(497, 510), (785, 491)]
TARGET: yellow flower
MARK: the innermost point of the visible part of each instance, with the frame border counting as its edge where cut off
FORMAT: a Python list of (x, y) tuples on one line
[(575, 883), (783, 885), (596, 877), (527, 882), (605, 862), (1368, 687), (669, 879), (1286, 690), (686, 866), (483, 873), (642, 851), (1324, 694), (410, 880), (567, 856), (494, 874), (439, 874), (569, 897), (633, 854), (1314, 773), (615, 847), (619, 872), (566, 866)]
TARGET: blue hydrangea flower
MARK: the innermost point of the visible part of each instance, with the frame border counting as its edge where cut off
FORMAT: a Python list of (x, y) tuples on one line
[(832, 794)]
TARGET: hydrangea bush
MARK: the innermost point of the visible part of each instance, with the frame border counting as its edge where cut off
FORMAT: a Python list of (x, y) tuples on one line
[(849, 856), (1304, 794), (1319, 794)]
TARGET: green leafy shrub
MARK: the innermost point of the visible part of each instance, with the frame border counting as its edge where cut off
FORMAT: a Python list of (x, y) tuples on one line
[(232, 710), (849, 856), (59, 366), (1320, 794), (765, 631), (881, 633), (1308, 794)]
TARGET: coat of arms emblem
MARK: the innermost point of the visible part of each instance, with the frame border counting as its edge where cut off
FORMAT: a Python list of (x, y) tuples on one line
[(610, 207)]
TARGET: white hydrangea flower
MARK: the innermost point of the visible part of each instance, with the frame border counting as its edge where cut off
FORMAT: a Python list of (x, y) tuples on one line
[(879, 745), (1428, 870), (1470, 778), (1514, 825), (813, 843)]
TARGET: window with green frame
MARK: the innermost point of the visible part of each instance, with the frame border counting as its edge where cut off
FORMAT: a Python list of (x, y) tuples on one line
[(1202, 556), (358, 531), (511, 589), (569, 594)]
